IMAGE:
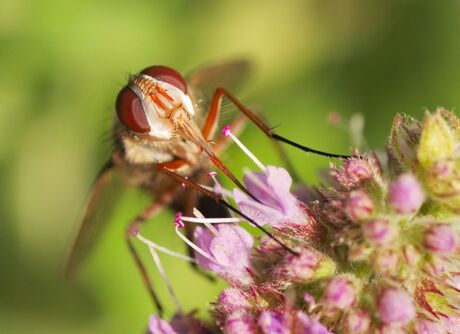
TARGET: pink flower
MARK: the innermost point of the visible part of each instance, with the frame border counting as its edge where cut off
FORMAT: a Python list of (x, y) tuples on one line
[(386, 262), (232, 300), (441, 239), (285, 323), (354, 171), (302, 267), (357, 322), (229, 252), (395, 306), (273, 323), (339, 293), (425, 326), (276, 206), (306, 325), (379, 232), (159, 326), (405, 194), (359, 205), (241, 324)]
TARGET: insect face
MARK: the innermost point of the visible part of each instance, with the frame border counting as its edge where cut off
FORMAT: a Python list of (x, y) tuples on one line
[(155, 105)]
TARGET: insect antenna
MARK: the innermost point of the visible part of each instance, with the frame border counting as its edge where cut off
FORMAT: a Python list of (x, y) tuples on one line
[(220, 200)]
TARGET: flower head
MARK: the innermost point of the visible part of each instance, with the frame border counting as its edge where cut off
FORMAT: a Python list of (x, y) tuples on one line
[(385, 253)]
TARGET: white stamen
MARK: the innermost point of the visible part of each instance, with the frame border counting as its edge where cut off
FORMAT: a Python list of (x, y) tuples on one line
[(165, 250), (195, 247), (156, 258), (228, 220), (228, 132), (225, 192), (198, 214)]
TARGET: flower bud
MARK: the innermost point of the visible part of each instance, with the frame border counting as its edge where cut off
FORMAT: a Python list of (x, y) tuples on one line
[(241, 324), (405, 194), (270, 322), (405, 133), (304, 324), (339, 293), (356, 322), (411, 255), (437, 141), (353, 172), (379, 232), (359, 252), (232, 300), (303, 266), (386, 262), (307, 266), (395, 306), (425, 326), (441, 239), (359, 205)]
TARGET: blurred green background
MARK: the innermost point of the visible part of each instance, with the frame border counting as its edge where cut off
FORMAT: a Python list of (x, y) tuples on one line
[(63, 62)]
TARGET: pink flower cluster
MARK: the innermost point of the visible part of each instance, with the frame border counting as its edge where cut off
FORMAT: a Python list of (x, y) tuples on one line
[(375, 251)]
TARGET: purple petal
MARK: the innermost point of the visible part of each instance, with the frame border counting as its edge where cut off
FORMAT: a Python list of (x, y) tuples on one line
[(159, 326), (273, 323), (203, 238), (307, 325)]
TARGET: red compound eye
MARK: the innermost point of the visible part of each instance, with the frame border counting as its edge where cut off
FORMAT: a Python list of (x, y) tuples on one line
[(131, 112), (167, 74)]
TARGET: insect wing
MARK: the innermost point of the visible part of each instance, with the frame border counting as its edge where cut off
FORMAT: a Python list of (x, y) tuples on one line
[(97, 212), (203, 82)]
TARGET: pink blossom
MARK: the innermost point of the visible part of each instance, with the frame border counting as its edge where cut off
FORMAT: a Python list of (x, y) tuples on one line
[(232, 300), (273, 323), (306, 325), (425, 326), (301, 268), (159, 326), (357, 322), (406, 194), (441, 239), (395, 306), (276, 206), (229, 252), (339, 293), (359, 205), (241, 324), (379, 232)]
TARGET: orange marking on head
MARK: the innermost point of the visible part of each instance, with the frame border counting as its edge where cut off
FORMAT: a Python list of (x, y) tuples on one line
[(158, 102), (164, 93)]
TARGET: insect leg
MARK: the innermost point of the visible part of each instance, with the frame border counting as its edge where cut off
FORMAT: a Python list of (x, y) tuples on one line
[(214, 111), (133, 229)]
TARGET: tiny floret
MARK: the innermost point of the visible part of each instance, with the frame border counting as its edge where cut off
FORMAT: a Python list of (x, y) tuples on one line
[(395, 306), (405, 194)]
